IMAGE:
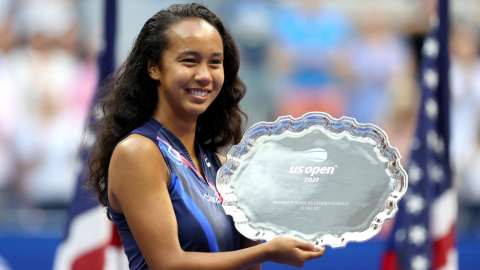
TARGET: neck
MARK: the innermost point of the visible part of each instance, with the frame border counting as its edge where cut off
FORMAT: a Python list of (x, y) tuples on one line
[(182, 127)]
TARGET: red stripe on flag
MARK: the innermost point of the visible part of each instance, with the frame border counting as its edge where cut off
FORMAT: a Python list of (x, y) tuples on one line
[(93, 260), (390, 261), (116, 240), (441, 248)]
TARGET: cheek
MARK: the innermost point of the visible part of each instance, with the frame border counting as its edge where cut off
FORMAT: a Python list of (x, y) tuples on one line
[(182, 76), (219, 79)]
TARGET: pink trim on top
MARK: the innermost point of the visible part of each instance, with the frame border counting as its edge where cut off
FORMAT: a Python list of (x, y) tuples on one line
[(158, 138), (214, 189), (184, 160)]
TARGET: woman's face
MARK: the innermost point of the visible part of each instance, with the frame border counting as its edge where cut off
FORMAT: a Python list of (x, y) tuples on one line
[(191, 75)]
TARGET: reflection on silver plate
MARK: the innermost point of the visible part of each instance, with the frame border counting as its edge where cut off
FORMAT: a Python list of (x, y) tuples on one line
[(315, 178)]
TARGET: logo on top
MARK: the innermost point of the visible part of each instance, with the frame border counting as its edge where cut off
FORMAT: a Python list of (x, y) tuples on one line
[(212, 199), (170, 150), (174, 153), (316, 155)]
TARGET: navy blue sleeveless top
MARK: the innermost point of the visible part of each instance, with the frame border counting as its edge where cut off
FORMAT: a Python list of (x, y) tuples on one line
[(202, 223)]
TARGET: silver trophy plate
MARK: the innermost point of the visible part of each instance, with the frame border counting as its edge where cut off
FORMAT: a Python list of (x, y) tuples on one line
[(315, 178)]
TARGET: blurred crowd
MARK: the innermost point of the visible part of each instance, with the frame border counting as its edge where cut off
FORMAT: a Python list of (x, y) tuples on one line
[(465, 122), (297, 56), (47, 78)]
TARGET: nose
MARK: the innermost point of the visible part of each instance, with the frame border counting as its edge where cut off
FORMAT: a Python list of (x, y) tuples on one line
[(203, 75)]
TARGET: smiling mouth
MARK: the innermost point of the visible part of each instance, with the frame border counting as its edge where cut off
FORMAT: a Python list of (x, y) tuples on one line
[(200, 93)]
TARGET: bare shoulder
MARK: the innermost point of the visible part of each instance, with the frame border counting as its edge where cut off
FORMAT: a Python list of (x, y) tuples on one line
[(136, 163), (222, 158), (135, 151), (134, 145)]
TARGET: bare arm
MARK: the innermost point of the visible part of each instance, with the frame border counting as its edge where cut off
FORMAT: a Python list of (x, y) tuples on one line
[(138, 181), (247, 243)]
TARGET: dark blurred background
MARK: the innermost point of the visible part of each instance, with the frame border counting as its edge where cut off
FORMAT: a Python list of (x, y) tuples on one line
[(343, 57)]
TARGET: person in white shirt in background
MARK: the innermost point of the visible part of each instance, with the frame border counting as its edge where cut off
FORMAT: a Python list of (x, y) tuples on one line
[(465, 121)]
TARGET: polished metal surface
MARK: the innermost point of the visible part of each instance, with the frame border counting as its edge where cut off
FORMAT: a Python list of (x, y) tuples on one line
[(314, 178)]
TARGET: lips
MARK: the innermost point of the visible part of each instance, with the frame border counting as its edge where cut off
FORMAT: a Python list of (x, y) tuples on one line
[(198, 92)]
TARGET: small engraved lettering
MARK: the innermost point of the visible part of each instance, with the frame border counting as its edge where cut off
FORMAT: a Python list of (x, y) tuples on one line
[(312, 203)]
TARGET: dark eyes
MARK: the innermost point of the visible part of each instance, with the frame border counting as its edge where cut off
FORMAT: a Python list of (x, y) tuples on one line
[(216, 62), (189, 60), (193, 61)]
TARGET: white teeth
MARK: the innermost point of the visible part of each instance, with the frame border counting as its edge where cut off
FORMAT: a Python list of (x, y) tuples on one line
[(198, 93)]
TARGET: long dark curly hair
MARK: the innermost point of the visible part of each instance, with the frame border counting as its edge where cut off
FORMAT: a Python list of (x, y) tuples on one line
[(130, 97)]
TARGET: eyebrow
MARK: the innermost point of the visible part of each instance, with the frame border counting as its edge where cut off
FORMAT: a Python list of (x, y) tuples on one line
[(198, 54)]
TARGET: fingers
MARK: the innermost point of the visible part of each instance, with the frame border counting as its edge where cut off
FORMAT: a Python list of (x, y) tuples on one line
[(310, 250), (309, 246), (315, 254), (293, 252), (305, 246)]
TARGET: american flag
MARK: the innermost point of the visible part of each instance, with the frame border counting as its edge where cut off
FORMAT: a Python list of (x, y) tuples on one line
[(92, 241), (424, 232)]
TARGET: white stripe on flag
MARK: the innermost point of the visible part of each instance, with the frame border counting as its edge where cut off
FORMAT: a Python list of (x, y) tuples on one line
[(115, 259), (88, 231), (443, 214)]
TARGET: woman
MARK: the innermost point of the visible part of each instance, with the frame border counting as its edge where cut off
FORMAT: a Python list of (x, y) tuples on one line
[(173, 104)]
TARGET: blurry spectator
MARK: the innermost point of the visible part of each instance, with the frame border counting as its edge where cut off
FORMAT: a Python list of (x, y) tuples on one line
[(8, 99), (400, 119), (379, 58), (465, 112), (51, 126), (310, 36), (417, 24), (251, 22), (465, 76), (469, 192)]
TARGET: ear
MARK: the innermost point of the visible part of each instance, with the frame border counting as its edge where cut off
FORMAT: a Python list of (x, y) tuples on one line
[(153, 70)]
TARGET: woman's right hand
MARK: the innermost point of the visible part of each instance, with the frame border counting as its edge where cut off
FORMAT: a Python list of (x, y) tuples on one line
[(291, 251)]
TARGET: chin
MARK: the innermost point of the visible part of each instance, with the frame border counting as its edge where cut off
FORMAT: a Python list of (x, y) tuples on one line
[(197, 110)]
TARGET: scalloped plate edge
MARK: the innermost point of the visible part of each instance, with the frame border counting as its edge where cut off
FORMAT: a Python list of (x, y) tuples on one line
[(271, 128)]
